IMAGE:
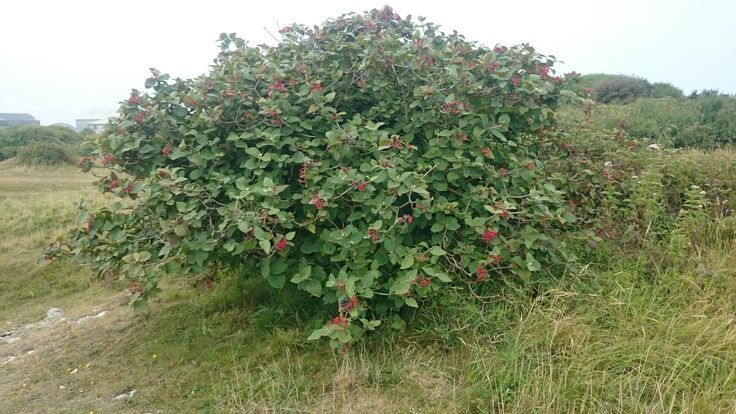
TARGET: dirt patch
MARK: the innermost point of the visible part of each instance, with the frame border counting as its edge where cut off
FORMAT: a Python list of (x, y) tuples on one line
[(59, 363)]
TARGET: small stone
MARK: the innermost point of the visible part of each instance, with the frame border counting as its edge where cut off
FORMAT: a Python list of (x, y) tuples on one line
[(125, 396), (11, 339), (9, 360), (51, 315)]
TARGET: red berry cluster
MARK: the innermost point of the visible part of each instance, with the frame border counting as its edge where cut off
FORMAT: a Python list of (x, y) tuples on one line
[(318, 202), (277, 86), (492, 67), (360, 186), (85, 163), (135, 288), (134, 100), (340, 321), (481, 274), (315, 87), (396, 142), (349, 304), (373, 235), (276, 117), (166, 150), (489, 235), (515, 80), (281, 245), (108, 159), (454, 108), (406, 218)]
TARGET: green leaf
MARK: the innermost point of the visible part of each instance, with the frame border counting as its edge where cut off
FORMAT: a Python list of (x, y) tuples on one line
[(437, 251), (177, 153), (408, 261), (532, 264), (279, 266), (411, 302), (313, 287), (276, 281), (241, 183), (253, 152), (181, 230), (265, 245), (260, 234), (244, 226), (144, 256), (319, 333)]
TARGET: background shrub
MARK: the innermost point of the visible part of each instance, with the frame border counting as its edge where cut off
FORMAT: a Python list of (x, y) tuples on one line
[(620, 88), (665, 90), (608, 88), (372, 162), (706, 121), (41, 153), (39, 143)]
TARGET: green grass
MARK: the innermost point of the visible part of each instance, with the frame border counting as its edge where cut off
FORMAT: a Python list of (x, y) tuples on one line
[(628, 333)]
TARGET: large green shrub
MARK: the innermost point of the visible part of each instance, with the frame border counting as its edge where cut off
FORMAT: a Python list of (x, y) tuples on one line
[(372, 161)]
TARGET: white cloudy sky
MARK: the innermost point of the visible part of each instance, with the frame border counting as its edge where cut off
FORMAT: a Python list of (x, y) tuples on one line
[(62, 60)]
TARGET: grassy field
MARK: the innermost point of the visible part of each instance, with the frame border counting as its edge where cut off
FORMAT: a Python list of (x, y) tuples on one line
[(631, 332)]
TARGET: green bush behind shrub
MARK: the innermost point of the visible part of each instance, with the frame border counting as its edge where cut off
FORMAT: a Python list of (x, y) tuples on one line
[(43, 145), (706, 121)]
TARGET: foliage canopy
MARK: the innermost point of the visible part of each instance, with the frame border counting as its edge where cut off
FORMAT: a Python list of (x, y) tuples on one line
[(372, 162)]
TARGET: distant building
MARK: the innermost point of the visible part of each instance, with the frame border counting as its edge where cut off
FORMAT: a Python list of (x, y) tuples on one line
[(7, 120), (97, 125), (83, 124)]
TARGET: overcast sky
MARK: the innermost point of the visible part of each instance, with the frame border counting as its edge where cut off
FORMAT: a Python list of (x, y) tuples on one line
[(62, 60)]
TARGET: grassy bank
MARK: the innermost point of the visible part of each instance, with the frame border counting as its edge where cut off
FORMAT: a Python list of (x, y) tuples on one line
[(636, 330)]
